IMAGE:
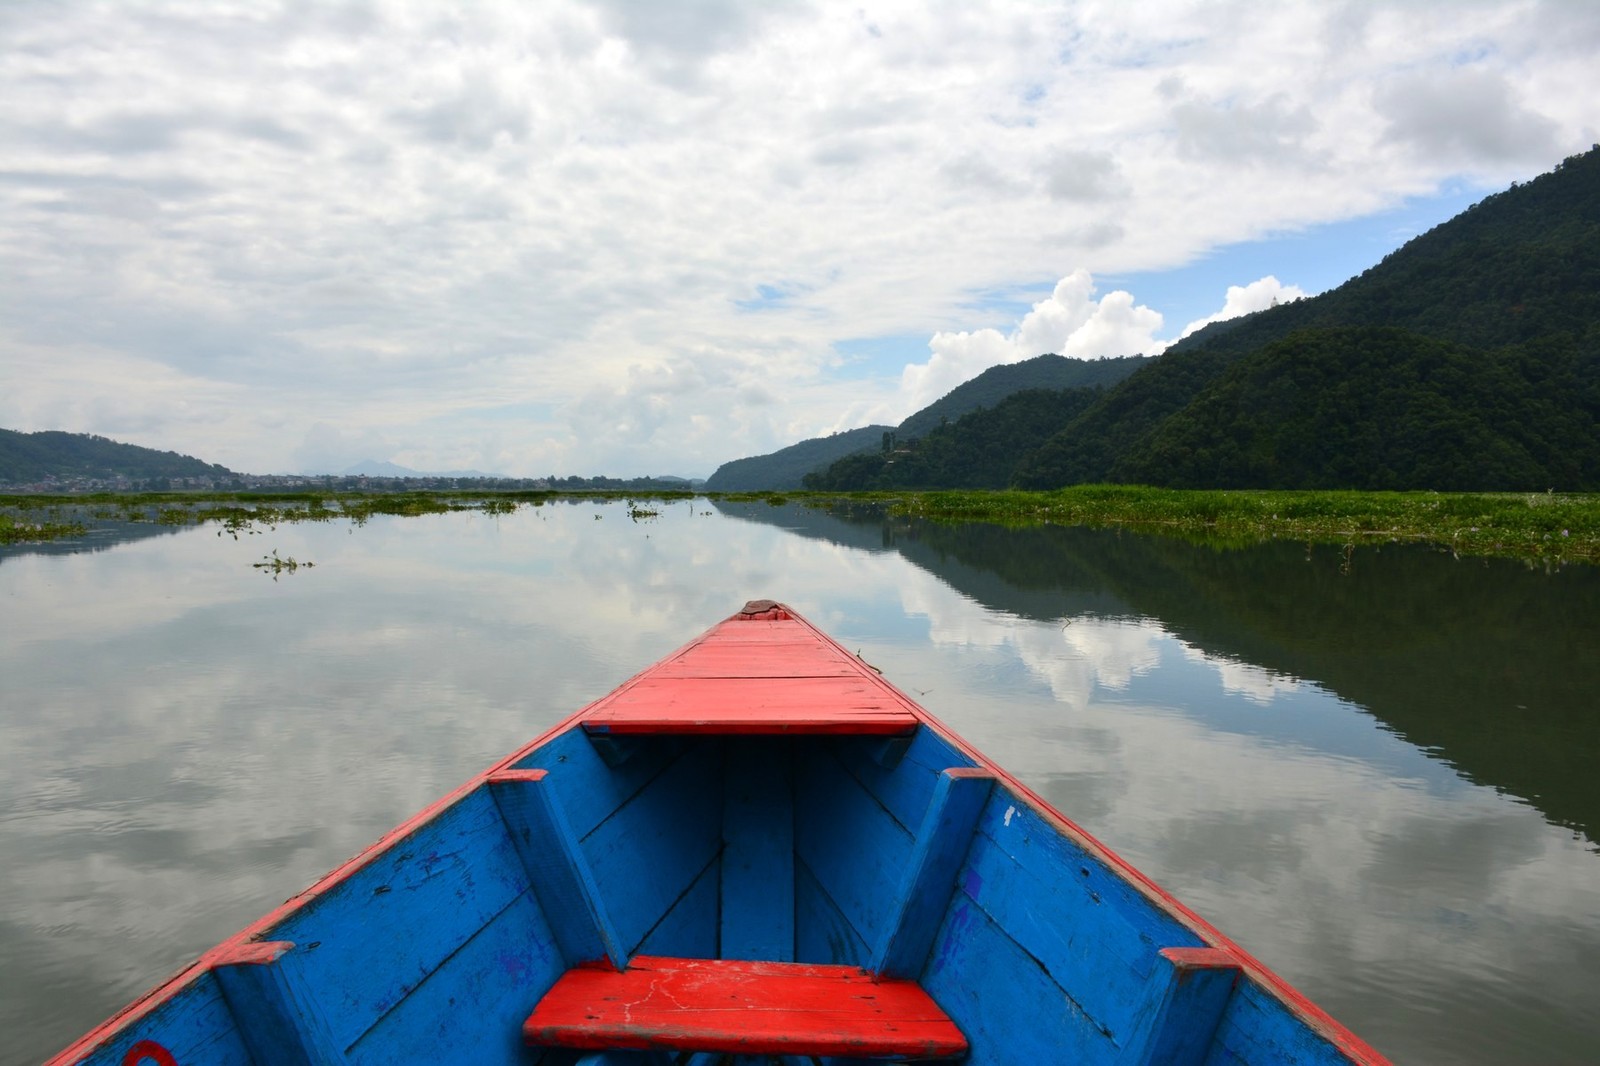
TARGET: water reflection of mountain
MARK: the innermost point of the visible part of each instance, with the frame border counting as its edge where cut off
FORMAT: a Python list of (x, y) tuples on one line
[(101, 535), (1489, 664)]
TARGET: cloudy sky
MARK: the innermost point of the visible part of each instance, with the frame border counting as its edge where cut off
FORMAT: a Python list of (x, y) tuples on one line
[(638, 237)]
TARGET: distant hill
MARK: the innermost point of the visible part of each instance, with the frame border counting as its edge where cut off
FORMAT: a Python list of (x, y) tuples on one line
[(26, 458), (787, 467), (784, 468), (384, 468)]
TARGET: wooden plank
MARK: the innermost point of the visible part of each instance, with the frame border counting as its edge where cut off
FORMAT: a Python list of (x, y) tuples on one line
[(648, 853), (743, 1007), (691, 927), (851, 845), (1178, 1018), (821, 931), (807, 705), (371, 938), (905, 784), (1003, 999), (930, 875), (279, 1017), (598, 789), (557, 868), (192, 1024), (1258, 1028), (471, 1008), (1058, 914), (758, 851)]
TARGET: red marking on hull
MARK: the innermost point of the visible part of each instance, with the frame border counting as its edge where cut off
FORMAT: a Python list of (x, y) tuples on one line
[(148, 1049)]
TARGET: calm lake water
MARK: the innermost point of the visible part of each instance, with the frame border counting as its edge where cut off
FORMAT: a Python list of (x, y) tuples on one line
[(1379, 773)]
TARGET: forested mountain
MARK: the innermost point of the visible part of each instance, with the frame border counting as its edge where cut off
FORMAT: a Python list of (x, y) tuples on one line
[(998, 382), (1383, 408), (787, 467), (1468, 359), (980, 450), (32, 457)]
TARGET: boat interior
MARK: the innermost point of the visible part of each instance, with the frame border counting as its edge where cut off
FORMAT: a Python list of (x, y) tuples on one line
[(892, 859), (755, 852)]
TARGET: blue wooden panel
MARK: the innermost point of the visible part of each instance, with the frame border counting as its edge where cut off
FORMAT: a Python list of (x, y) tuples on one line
[(930, 876), (904, 789), (651, 850), (593, 790), (849, 842), (689, 929), (758, 851), (556, 866), (1183, 1004), (1037, 890), (471, 1008), (370, 940), (278, 1015), (1003, 1000), (1036, 845), (1258, 1029), (822, 933), (194, 1026)]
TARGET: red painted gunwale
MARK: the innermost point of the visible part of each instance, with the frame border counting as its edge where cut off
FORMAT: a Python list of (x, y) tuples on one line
[(734, 629)]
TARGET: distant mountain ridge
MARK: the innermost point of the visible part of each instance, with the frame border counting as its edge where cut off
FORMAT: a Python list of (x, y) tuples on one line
[(786, 468), (27, 458)]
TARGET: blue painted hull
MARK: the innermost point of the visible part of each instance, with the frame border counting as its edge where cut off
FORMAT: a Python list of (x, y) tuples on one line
[(905, 854)]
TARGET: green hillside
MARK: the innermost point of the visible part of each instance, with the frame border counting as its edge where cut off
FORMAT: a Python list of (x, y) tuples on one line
[(980, 450), (1054, 372), (787, 467), (784, 469), (26, 458), (1383, 408)]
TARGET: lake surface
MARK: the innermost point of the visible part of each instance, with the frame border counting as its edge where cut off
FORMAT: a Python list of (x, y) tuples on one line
[(1378, 772)]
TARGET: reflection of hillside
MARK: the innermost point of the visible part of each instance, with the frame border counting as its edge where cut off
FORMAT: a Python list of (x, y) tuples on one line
[(1489, 664), (101, 536)]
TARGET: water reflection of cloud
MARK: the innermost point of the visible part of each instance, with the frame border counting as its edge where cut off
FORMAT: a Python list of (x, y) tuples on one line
[(1254, 683)]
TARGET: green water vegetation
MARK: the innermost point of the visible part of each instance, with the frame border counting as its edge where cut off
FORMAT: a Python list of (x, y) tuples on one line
[(274, 564), (1553, 527), (28, 518), (15, 529)]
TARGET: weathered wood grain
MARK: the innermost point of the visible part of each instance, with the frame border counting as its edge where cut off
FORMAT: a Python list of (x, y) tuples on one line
[(743, 1007)]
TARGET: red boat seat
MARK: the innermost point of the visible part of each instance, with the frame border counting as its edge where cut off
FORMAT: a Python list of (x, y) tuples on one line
[(733, 1006)]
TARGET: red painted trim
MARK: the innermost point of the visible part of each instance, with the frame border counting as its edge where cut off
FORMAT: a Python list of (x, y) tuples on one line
[(501, 776), (257, 953), (1201, 958)]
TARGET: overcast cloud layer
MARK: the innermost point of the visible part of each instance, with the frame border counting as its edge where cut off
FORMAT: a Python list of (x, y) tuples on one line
[(628, 237)]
